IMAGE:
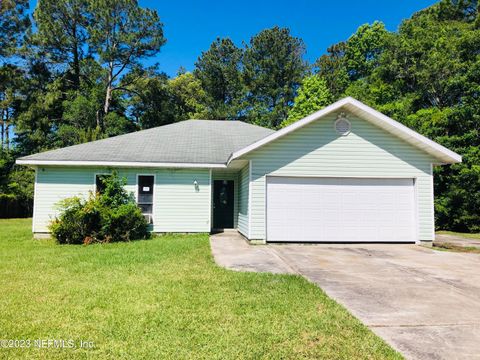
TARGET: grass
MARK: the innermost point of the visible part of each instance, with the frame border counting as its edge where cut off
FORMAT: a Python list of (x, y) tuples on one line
[(454, 245), (164, 298), (475, 236), (456, 248)]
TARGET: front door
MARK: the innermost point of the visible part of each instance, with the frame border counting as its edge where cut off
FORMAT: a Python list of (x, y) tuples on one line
[(223, 204)]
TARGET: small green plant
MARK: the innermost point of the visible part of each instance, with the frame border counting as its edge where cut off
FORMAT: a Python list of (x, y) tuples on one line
[(110, 216)]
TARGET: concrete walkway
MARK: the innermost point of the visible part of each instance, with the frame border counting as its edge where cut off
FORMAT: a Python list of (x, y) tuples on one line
[(232, 251), (424, 303)]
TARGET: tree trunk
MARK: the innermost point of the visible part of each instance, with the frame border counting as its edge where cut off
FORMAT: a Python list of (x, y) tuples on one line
[(76, 68), (99, 119), (7, 135), (108, 99), (2, 129), (108, 94), (76, 60)]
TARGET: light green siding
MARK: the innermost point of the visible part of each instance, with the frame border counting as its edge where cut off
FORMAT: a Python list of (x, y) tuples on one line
[(53, 185), (229, 174), (243, 180), (178, 206), (314, 150), (317, 150)]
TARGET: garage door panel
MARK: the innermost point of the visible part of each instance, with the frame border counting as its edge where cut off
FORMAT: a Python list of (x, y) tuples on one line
[(402, 216), (340, 209)]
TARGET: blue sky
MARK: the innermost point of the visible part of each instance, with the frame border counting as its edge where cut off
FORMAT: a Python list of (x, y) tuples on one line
[(191, 26)]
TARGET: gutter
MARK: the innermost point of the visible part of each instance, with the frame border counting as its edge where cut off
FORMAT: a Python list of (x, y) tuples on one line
[(125, 164)]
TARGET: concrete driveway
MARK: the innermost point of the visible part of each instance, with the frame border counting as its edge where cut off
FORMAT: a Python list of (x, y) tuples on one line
[(425, 303)]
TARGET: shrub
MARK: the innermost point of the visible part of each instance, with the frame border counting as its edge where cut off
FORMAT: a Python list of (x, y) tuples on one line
[(123, 223), (110, 216), (78, 219)]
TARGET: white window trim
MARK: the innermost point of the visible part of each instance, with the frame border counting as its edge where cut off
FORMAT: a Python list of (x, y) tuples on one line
[(95, 180), (153, 193)]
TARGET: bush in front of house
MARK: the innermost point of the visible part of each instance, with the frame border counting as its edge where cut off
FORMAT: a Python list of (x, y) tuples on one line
[(110, 216)]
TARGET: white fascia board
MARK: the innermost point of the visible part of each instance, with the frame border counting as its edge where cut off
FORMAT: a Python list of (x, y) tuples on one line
[(288, 129), (119, 164), (441, 151)]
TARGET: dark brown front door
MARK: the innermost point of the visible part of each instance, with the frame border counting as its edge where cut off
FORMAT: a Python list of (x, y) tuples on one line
[(223, 204)]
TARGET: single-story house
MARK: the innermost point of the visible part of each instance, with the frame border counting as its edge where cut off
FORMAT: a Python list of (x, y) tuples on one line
[(346, 173)]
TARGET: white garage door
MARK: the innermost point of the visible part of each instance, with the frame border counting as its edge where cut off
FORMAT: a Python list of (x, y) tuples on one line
[(340, 209)]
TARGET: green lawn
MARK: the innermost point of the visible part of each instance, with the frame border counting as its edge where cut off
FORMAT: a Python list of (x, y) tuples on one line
[(166, 299), (456, 248), (464, 235)]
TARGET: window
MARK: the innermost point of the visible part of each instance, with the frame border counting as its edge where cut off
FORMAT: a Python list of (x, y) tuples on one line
[(99, 184), (145, 193), (342, 126)]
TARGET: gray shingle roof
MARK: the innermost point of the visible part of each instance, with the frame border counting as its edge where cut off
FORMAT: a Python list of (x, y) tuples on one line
[(190, 141)]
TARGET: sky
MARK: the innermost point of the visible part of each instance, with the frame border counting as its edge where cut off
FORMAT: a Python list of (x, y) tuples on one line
[(191, 26)]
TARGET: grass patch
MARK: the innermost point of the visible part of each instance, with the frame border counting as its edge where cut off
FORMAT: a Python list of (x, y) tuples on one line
[(464, 235), (164, 298), (456, 248)]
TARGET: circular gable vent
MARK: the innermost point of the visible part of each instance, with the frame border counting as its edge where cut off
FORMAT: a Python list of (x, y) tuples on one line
[(342, 125)]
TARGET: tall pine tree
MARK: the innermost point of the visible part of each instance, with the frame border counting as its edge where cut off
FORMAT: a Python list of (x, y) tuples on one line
[(273, 70), (218, 70), (122, 33), (14, 22), (62, 33)]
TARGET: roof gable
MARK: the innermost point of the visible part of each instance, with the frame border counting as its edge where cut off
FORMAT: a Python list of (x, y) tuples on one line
[(356, 107)]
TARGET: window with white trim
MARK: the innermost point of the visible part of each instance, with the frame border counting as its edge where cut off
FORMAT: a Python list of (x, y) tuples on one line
[(145, 193), (99, 182)]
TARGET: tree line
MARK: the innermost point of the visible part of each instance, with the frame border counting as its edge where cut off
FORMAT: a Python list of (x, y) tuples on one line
[(74, 72)]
